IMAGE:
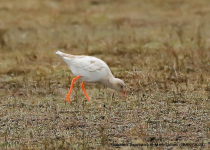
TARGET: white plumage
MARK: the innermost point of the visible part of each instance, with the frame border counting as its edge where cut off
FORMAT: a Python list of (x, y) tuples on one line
[(91, 69)]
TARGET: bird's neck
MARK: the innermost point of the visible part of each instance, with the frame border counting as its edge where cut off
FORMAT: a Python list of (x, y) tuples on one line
[(110, 82)]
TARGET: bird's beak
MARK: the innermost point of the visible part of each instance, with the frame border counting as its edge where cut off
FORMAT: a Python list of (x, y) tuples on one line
[(124, 93)]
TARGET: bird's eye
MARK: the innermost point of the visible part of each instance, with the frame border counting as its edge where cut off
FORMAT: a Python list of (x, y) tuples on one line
[(121, 86)]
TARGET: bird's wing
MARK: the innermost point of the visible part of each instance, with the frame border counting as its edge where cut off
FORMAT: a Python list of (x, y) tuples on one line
[(88, 63)]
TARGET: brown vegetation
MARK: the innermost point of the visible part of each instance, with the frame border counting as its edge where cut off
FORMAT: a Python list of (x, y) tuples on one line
[(160, 48)]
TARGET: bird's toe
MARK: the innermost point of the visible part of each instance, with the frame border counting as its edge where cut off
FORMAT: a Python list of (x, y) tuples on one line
[(67, 98)]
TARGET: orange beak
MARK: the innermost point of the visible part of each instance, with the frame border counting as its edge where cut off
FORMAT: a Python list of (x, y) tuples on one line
[(124, 93)]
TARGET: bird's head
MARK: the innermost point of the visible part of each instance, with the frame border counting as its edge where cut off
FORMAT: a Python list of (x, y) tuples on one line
[(119, 86)]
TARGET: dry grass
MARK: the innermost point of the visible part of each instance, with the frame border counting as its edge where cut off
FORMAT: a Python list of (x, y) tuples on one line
[(160, 48)]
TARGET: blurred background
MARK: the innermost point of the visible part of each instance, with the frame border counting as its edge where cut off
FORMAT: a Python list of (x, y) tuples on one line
[(160, 48)]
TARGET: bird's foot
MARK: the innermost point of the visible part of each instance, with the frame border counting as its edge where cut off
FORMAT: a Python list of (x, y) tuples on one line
[(67, 98)]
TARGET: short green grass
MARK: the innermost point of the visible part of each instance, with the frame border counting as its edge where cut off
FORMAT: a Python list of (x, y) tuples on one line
[(160, 48)]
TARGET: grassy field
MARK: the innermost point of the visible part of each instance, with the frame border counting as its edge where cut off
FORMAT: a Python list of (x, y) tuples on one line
[(160, 48)]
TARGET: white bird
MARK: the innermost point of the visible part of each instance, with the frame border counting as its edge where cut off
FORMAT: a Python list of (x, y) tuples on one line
[(90, 69)]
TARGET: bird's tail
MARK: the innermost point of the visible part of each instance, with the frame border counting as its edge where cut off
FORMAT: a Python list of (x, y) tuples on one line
[(66, 57), (59, 53)]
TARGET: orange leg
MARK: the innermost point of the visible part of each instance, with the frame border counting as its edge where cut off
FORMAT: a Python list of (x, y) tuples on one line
[(83, 88), (69, 93)]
